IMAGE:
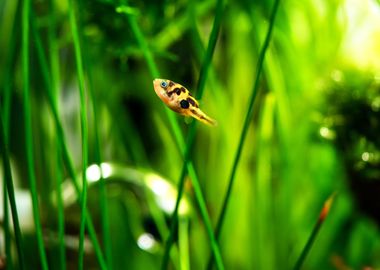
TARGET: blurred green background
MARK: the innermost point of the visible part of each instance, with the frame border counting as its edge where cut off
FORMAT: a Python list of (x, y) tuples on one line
[(76, 91)]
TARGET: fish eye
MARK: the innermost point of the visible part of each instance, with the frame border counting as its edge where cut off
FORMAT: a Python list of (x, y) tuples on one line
[(163, 84)]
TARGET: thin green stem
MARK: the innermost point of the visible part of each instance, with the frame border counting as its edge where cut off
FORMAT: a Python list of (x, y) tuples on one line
[(178, 135), (210, 48), (201, 85), (83, 114), (60, 208), (103, 191), (174, 217), (61, 138), (102, 183), (322, 217), (183, 239), (54, 64), (153, 70), (28, 132), (190, 140), (8, 81), (308, 245), (8, 189), (246, 124), (105, 226), (7, 232), (142, 42), (201, 201), (7, 94), (11, 193)]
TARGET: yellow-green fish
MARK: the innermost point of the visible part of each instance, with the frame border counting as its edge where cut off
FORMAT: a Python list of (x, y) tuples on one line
[(179, 99)]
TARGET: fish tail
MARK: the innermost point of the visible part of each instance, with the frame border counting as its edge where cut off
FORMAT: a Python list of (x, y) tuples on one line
[(202, 117)]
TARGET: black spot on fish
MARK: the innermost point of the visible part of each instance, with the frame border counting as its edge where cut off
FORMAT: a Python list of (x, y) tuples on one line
[(184, 104), (191, 101), (177, 91), (183, 89), (194, 112), (171, 84)]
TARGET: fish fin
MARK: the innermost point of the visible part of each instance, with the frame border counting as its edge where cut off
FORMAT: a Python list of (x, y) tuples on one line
[(202, 117)]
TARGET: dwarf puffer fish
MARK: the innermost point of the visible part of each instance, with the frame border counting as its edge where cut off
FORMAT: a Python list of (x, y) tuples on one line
[(180, 100)]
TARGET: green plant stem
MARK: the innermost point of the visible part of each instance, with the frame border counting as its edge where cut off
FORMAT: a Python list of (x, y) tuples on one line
[(83, 114), (210, 48), (177, 133), (7, 94), (6, 112), (28, 132), (102, 184), (246, 124), (7, 232), (174, 217), (105, 226), (11, 194), (322, 217), (103, 193), (308, 245), (142, 42), (200, 200), (190, 141), (183, 240), (60, 209), (61, 138), (54, 64)]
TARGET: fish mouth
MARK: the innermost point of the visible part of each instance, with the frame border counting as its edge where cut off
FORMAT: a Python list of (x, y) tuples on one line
[(161, 93), (156, 84)]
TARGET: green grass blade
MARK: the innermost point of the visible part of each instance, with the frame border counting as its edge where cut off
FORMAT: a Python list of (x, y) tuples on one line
[(196, 185), (11, 194), (7, 232), (55, 82), (83, 114), (200, 89), (177, 133), (183, 239), (102, 184), (61, 138), (105, 227), (210, 48), (5, 112), (174, 217), (7, 94), (141, 41), (103, 193), (28, 132), (200, 200), (246, 124), (7, 83), (322, 217), (189, 144), (60, 208)]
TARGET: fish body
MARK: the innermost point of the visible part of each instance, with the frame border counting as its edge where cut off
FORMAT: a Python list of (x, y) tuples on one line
[(180, 100)]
